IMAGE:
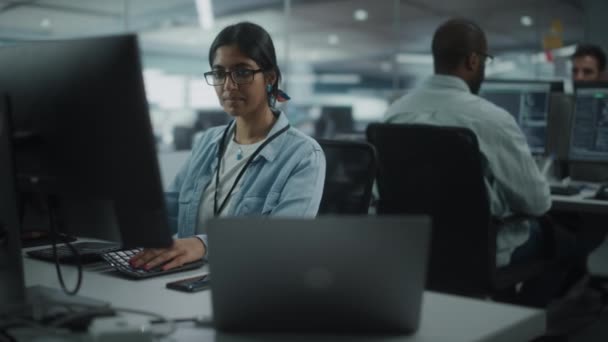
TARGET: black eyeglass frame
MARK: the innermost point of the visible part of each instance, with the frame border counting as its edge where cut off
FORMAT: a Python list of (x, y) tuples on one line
[(210, 76), (487, 57)]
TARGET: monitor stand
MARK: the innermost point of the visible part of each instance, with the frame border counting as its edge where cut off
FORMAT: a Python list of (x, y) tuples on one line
[(12, 286), (14, 297)]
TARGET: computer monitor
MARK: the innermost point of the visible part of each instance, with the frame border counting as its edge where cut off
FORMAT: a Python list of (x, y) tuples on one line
[(82, 140), (589, 128), (528, 102), (210, 118), (334, 120)]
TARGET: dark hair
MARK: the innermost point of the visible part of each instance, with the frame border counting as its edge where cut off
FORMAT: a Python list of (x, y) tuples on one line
[(453, 41), (254, 42), (593, 51)]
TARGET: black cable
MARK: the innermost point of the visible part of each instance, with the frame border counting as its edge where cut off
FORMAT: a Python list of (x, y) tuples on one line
[(593, 318), (5, 336), (21, 209), (54, 235), (202, 322)]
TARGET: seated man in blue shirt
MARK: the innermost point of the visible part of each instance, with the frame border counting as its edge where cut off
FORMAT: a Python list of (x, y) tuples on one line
[(449, 98)]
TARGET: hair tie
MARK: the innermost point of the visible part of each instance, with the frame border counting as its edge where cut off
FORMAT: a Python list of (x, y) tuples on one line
[(282, 96)]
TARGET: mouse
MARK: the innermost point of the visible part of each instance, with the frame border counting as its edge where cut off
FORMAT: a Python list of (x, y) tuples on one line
[(602, 192)]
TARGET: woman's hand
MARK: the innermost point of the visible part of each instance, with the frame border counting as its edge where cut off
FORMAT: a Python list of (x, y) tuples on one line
[(182, 251)]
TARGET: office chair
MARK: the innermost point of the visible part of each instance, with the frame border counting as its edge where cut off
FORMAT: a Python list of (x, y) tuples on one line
[(182, 138), (350, 172), (439, 171)]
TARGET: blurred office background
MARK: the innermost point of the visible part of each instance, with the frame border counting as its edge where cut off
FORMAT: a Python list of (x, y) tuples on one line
[(343, 61)]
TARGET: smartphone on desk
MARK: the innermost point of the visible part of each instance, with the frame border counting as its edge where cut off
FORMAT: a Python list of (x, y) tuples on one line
[(194, 284)]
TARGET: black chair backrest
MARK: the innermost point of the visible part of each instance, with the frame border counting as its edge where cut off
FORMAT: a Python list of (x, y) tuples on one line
[(351, 169), (439, 171)]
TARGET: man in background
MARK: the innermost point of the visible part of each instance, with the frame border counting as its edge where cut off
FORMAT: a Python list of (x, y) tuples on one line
[(513, 181), (588, 63)]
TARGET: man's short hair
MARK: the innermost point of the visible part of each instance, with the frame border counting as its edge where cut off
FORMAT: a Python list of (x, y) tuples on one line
[(594, 51), (453, 41)]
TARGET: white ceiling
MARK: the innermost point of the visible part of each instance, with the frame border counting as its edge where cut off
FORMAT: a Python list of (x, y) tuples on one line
[(169, 28)]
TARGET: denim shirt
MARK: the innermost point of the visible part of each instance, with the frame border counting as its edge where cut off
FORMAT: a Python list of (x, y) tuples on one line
[(285, 179)]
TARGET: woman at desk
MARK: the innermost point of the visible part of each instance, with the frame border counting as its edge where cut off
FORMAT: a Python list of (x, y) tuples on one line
[(256, 165)]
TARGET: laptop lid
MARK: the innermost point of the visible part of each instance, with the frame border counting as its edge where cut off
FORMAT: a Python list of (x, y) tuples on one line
[(331, 274)]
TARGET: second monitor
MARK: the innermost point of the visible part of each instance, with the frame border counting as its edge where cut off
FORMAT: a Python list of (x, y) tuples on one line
[(589, 132), (528, 102)]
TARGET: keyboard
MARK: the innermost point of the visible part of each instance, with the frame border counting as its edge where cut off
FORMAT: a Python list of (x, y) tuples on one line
[(564, 190), (88, 251), (120, 261)]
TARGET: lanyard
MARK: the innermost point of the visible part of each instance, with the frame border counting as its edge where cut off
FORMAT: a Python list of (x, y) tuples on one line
[(220, 154)]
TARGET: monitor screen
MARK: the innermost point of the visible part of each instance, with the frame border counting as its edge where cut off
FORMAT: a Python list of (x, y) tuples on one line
[(528, 102), (75, 121), (333, 121), (82, 136), (589, 136)]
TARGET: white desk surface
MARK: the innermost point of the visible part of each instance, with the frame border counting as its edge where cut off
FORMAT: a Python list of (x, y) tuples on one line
[(444, 317)]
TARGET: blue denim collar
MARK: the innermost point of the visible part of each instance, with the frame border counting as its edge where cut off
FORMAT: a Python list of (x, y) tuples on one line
[(270, 151)]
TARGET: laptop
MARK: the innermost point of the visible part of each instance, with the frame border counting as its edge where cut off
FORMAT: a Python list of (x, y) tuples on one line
[(330, 274)]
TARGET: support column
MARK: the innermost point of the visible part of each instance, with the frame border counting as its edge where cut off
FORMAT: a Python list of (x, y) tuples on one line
[(596, 25)]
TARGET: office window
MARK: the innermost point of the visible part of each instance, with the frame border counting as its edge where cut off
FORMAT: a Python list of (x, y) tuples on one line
[(344, 61)]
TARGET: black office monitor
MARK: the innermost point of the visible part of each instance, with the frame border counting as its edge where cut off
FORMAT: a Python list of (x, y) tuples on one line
[(12, 291), (334, 120), (210, 118), (183, 136), (82, 141), (528, 102), (589, 129)]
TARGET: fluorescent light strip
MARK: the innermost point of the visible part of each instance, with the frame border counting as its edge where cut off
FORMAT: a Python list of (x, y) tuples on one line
[(325, 78), (414, 58), (339, 79), (205, 13)]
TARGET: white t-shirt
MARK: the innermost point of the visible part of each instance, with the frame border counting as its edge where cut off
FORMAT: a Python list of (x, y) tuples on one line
[(232, 162)]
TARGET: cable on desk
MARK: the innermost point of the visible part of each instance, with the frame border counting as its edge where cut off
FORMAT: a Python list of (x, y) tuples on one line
[(20, 322), (200, 321), (102, 310), (54, 234), (171, 323), (5, 336), (55, 326), (594, 317)]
